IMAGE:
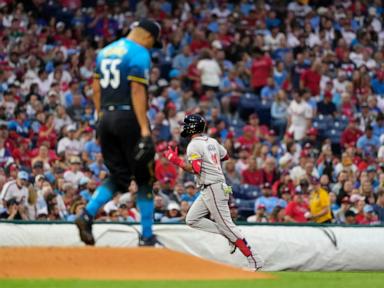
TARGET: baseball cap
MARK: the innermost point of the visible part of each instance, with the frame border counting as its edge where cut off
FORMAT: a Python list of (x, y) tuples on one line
[(42, 211), (368, 209), (289, 134), (266, 185), (345, 200), (173, 206), (356, 197), (58, 170), (285, 159), (314, 181), (261, 206), (350, 213), (71, 128), (23, 175), (232, 205), (298, 190), (75, 160), (371, 168), (189, 184), (84, 180), (271, 133), (286, 190), (39, 177), (248, 128), (153, 28), (312, 132), (88, 130)]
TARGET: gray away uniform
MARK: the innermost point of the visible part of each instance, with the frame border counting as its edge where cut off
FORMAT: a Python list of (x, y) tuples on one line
[(213, 199)]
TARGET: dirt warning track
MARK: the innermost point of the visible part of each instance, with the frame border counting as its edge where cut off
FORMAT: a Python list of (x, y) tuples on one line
[(114, 264)]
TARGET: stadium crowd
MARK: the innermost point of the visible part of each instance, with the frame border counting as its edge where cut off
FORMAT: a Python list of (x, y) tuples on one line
[(293, 89)]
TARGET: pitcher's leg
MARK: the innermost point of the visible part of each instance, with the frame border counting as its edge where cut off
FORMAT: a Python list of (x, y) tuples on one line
[(196, 217)]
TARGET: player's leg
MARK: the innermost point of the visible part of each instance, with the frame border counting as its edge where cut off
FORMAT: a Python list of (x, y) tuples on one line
[(217, 203), (108, 188), (143, 174), (196, 217)]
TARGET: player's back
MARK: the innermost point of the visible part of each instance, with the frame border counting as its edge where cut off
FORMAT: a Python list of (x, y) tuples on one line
[(117, 65), (211, 153)]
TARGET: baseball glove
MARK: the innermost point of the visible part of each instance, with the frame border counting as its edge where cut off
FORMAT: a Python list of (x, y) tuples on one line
[(144, 150)]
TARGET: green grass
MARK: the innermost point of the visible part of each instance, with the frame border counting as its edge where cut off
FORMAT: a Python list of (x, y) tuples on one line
[(284, 280)]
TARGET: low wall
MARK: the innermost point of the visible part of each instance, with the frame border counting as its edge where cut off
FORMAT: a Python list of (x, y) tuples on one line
[(305, 248)]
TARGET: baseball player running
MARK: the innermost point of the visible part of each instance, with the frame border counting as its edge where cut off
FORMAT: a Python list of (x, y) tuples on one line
[(205, 155)]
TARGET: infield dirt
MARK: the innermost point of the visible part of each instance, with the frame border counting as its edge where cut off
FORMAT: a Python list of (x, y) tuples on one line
[(114, 264)]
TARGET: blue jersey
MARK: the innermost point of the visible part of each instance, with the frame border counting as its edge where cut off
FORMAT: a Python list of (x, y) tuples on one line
[(117, 65)]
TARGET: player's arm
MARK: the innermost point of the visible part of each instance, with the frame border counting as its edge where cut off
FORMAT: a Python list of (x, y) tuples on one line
[(189, 168), (96, 93), (192, 166), (139, 102), (223, 153), (96, 85)]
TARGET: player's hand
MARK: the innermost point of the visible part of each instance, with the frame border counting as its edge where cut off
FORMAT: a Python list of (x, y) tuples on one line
[(144, 150), (173, 156)]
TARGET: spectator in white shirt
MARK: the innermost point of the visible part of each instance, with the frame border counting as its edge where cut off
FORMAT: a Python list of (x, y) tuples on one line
[(340, 83), (73, 175), (17, 190), (210, 71), (299, 117), (69, 145), (43, 82)]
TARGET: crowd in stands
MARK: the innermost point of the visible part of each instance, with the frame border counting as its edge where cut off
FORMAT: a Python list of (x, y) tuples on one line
[(293, 90)]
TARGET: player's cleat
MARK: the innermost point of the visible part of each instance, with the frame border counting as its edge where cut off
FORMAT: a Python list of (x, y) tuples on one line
[(232, 247), (255, 261), (150, 241), (84, 224)]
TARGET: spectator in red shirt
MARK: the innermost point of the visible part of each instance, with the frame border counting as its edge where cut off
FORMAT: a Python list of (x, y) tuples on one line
[(261, 69), (251, 175), (297, 208), (21, 154), (310, 79), (351, 134), (261, 131), (358, 203), (43, 156), (47, 131), (198, 42), (164, 170), (369, 216), (248, 139), (269, 173), (283, 185)]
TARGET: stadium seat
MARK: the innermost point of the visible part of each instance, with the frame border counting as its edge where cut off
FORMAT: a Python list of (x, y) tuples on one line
[(247, 105), (245, 208), (246, 191)]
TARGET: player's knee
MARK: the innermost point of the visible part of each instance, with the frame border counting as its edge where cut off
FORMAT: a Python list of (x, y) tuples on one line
[(190, 220)]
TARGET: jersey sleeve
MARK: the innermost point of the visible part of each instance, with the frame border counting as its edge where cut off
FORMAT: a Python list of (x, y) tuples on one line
[(193, 152), (222, 151), (139, 65), (97, 72)]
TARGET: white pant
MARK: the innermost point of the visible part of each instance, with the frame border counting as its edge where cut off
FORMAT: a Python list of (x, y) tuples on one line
[(213, 201)]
